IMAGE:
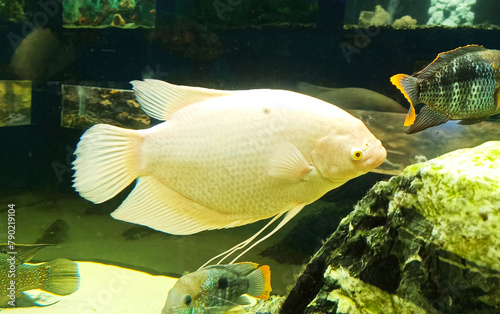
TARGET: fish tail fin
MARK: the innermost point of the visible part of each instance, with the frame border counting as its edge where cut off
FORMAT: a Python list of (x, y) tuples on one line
[(260, 282), (407, 84), (61, 278), (106, 161)]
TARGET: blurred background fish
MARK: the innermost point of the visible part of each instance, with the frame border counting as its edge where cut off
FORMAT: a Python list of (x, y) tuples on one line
[(352, 98), (188, 39), (41, 55), (218, 288), (59, 276), (461, 84)]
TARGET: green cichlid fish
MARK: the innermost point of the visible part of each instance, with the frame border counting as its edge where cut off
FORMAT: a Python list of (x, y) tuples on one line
[(59, 276), (218, 288), (461, 84)]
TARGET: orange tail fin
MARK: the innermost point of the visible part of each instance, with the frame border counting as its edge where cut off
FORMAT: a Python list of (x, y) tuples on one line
[(266, 271), (260, 282), (407, 84)]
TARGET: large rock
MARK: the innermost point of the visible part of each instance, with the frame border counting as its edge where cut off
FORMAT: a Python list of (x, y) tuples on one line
[(426, 241)]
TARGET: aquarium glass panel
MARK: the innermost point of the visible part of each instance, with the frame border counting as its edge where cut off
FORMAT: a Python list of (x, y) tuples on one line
[(15, 103), (12, 10), (105, 13), (429, 13), (85, 106)]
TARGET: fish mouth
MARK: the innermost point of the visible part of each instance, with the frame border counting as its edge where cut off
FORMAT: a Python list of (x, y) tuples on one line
[(379, 154)]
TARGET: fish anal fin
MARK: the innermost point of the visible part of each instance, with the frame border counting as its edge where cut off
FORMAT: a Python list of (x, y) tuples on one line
[(470, 121), (159, 207), (407, 84), (287, 162), (160, 99), (427, 118)]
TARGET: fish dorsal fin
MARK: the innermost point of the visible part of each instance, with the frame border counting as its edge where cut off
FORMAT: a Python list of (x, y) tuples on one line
[(239, 269), (243, 268), (24, 252), (287, 162), (445, 57), (160, 99)]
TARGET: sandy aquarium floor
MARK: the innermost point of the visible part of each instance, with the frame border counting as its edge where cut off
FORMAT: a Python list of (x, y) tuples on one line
[(98, 238), (109, 289)]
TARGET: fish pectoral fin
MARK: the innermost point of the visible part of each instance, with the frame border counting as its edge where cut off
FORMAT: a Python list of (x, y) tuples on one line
[(287, 162), (427, 118), (157, 206), (160, 99), (242, 300)]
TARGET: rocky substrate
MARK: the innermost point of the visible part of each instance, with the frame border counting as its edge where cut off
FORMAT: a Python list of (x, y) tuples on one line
[(426, 241)]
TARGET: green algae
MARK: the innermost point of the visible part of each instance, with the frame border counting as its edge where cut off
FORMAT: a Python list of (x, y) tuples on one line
[(460, 193)]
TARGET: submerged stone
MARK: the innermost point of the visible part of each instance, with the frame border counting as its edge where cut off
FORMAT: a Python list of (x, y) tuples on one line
[(426, 241)]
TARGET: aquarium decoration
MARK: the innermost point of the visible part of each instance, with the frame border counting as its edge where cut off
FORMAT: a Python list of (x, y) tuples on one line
[(109, 13), (85, 106), (385, 17), (417, 14), (451, 12), (15, 103)]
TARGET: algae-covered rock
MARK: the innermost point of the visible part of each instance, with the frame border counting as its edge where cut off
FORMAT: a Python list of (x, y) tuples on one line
[(426, 241)]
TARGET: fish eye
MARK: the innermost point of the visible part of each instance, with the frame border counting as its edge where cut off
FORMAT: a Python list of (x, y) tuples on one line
[(356, 154), (188, 300)]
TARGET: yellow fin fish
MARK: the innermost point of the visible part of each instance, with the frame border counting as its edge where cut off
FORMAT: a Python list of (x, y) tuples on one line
[(461, 84)]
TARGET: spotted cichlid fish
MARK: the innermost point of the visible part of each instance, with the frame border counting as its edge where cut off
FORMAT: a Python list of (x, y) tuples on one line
[(59, 276), (461, 84), (218, 288)]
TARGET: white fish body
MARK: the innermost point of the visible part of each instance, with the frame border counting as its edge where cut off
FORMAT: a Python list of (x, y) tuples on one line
[(222, 158)]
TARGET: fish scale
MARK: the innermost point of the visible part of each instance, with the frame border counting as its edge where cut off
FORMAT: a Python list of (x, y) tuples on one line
[(471, 94)]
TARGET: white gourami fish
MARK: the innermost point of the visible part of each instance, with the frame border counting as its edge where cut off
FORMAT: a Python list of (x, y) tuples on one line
[(222, 158)]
